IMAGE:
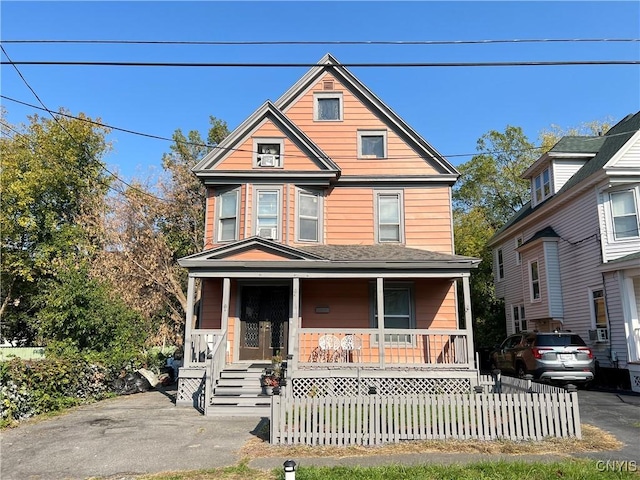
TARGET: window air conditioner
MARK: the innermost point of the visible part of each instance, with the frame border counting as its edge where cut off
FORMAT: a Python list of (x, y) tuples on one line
[(266, 160), (602, 334), (270, 233)]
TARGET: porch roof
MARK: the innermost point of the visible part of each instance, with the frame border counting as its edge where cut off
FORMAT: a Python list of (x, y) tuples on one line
[(325, 260)]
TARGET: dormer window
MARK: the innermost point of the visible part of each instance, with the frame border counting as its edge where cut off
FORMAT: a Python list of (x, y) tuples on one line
[(542, 186), (268, 153), (327, 106)]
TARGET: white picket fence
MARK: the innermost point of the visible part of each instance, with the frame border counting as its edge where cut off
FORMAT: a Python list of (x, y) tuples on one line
[(374, 420)]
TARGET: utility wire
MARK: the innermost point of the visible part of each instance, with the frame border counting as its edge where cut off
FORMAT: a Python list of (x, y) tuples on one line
[(325, 42), (100, 164), (303, 64)]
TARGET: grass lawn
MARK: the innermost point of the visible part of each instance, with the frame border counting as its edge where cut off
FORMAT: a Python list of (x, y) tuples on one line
[(517, 470)]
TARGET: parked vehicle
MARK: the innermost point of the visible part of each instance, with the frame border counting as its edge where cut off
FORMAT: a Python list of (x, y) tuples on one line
[(553, 357)]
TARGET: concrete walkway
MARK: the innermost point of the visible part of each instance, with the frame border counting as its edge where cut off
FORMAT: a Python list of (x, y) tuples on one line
[(146, 433)]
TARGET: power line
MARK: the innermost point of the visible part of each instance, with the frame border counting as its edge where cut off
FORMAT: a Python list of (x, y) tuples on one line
[(100, 164), (325, 42), (565, 63)]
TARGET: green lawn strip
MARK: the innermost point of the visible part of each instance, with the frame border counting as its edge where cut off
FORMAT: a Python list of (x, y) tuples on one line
[(499, 470)]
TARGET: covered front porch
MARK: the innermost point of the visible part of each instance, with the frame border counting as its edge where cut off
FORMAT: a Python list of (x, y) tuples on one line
[(339, 327)]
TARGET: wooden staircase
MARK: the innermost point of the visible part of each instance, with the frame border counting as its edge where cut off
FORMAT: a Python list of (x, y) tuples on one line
[(238, 392)]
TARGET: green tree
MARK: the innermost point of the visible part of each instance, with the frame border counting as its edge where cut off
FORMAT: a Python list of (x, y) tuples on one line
[(52, 180)]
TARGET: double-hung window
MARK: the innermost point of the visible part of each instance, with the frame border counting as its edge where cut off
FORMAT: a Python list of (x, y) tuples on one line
[(389, 217), (534, 279), (542, 186), (268, 152), (267, 208), (518, 255), (327, 106), (500, 264), (227, 213), (519, 319), (372, 144), (624, 208), (309, 216), (598, 309), (398, 310)]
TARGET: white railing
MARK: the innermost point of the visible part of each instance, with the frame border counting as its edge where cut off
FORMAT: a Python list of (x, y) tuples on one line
[(353, 348), (374, 420), (200, 346), (215, 365)]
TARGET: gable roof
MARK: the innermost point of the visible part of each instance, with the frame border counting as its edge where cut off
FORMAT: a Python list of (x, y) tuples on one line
[(205, 169), (328, 63), (604, 147)]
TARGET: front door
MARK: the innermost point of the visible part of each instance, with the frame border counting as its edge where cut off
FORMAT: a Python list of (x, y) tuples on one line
[(264, 322)]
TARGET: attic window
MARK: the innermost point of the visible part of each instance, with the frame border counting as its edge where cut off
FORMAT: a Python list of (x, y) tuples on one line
[(372, 144), (327, 106), (268, 153), (542, 186)]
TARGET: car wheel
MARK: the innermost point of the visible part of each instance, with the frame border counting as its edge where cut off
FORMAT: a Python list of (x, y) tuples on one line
[(521, 370)]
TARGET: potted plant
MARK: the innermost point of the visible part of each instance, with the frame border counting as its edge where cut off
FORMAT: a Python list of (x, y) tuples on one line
[(270, 378)]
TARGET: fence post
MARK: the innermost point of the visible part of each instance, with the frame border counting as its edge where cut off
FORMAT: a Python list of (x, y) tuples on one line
[(497, 376), (529, 378), (274, 426)]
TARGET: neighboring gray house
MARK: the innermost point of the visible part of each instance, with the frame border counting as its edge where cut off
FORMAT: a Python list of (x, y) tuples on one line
[(570, 259)]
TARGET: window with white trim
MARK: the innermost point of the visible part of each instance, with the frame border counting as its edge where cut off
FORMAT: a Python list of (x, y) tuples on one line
[(598, 311), (268, 152), (542, 186), (518, 245), (398, 310), (268, 213), (534, 281), (227, 216), (309, 216), (500, 264), (519, 319), (389, 217), (372, 144), (624, 209), (327, 106)]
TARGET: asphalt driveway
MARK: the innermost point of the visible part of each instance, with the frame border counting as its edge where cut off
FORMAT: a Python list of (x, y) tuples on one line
[(147, 433)]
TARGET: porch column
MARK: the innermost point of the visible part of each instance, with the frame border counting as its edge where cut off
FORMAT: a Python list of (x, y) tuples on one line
[(188, 326), (468, 319), (380, 305), (294, 348), (226, 292)]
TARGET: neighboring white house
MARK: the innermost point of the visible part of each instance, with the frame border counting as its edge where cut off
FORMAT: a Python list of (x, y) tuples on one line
[(570, 259)]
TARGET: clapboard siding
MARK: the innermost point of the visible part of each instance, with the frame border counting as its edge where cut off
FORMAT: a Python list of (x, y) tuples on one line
[(563, 170), (554, 284), (339, 139), (612, 248), (630, 158)]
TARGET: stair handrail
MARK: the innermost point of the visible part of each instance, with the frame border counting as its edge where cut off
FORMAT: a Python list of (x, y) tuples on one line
[(214, 367)]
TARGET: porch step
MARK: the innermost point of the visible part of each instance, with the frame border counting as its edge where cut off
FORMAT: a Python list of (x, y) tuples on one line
[(238, 393)]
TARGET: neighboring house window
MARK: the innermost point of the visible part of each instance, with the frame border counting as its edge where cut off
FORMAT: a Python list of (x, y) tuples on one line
[(389, 218), (625, 214), (518, 256), (227, 213), (398, 310), (327, 106), (534, 279), (268, 152), (598, 311), (308, 216), (519, 320), (542, 186), (268, 213), (372, 144), (500, 264)]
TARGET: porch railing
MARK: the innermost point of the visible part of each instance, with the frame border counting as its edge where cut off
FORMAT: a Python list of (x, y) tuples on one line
[(400, 348), (200, 347), (215, 365)]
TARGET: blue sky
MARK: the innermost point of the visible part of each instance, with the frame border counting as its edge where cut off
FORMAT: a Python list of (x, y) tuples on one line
[(450, 107)]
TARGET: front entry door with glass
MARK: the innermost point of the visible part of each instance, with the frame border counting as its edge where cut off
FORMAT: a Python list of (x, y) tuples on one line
[(264, 322)]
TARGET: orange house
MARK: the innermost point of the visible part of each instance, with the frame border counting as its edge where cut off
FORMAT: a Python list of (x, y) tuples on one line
[(329, 241)]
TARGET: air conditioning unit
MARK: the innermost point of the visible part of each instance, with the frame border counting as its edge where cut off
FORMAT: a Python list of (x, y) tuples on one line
[(602, 334), (270, 233), (267, 160)]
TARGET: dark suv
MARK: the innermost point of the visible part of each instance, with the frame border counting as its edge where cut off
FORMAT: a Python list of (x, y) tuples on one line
[(553, 357)]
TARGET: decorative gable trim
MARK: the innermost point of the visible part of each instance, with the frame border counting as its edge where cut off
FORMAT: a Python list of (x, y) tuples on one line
[(285, 252), (328, 63), (205, 169)]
